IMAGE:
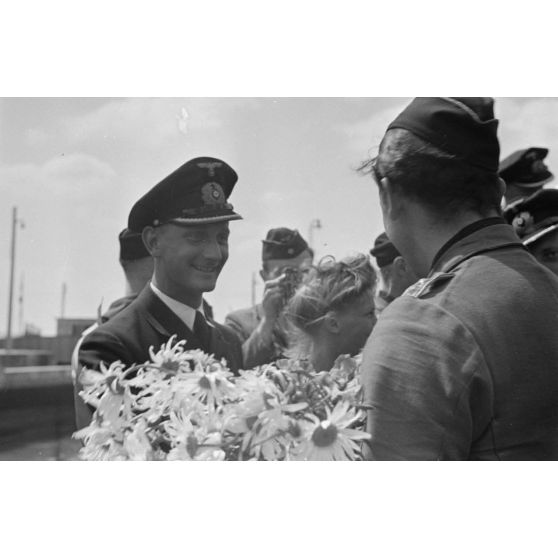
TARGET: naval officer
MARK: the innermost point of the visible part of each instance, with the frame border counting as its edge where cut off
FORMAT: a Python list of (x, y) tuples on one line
[(184, 223)]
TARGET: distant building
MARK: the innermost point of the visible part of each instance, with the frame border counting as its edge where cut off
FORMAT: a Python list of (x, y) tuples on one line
[(73, 327), (49, 350)]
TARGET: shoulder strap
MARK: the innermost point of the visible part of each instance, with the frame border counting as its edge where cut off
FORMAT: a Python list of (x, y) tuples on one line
[(425, 285)]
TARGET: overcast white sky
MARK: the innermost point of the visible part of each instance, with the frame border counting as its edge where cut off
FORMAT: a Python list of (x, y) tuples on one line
[(74, 167)]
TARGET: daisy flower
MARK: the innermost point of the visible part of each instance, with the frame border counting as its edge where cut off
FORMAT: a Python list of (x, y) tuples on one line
[(137, 444), (169, 359), (192, 443), (97, 382), (331, 439), (209, 387)]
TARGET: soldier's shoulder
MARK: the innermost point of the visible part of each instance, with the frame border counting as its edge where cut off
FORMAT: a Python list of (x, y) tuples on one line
[(430, 286), (118, 326)]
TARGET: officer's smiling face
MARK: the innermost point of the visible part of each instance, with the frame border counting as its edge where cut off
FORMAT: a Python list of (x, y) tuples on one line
[(189, 259)]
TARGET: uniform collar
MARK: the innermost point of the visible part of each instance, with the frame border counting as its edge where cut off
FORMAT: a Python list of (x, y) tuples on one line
[(386, 297), (186, 313), (481, 236)]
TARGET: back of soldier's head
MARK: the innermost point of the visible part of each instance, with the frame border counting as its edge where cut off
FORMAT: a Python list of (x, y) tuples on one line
[(443, 153)]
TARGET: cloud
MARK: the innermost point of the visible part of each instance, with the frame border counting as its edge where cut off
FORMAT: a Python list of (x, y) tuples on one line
[(67, 205), (37, 136), (150, 122), (69, 175), (77, 170), (525, 122)]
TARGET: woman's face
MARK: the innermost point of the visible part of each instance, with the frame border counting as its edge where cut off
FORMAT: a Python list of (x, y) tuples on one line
[(356, 321)]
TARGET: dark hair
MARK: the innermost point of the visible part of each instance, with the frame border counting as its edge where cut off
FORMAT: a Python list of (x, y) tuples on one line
[(444, 183)]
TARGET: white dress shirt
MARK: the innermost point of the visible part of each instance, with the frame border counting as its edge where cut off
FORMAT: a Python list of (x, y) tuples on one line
[(186, 313)]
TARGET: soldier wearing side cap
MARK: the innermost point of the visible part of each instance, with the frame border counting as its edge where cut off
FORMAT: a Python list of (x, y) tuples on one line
[(396, 276), (524, 173), (535, 220), (184, 223), (137, 265), (463, 364), (262, 328)]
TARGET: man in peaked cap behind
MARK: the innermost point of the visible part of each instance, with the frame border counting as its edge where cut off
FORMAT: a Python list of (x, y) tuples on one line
[(463, 365), (396, 276), (535, 220), (524, 172), (183, 221), (262, 328)]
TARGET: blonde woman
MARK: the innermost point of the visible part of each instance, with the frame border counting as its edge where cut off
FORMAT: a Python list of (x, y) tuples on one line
[(333, 312)]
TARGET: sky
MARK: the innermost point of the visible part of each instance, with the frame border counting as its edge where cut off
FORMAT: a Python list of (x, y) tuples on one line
[(73, 167)]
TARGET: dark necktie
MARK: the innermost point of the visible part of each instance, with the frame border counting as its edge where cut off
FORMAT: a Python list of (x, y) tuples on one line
[(202, 331)]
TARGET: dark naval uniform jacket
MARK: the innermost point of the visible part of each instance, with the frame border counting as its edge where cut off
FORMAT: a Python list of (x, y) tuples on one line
[(255, 350), (106, 347), (464, 365), (146, 322)]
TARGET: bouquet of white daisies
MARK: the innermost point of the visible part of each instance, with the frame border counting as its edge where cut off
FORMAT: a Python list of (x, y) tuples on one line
[(187, 405)]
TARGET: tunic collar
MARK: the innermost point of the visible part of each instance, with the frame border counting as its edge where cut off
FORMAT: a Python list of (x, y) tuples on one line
[(481, 236)]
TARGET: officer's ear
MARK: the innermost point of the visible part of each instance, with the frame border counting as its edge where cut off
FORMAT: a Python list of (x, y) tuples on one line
[(150, 237)]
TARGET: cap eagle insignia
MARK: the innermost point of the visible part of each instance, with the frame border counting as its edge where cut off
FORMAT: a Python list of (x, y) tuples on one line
[(210, 166)]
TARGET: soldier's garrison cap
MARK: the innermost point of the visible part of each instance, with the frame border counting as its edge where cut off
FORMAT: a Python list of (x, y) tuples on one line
[(132, 246), (283, 244), (461, 126), (526, 168), (384, 251), (195, 193), (535, 216)]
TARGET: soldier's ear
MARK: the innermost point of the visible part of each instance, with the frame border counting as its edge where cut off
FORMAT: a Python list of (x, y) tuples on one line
[(400, 266), (331, 322), (150, 238), (390, 199)]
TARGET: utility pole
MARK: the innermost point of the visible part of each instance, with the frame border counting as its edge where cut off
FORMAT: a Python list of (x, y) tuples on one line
[(12, 271), (20, 300)]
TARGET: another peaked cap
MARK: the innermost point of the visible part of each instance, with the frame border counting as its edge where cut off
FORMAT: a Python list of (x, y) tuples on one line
[(526, 168), (195, 193), (461, 126), (535, 216)]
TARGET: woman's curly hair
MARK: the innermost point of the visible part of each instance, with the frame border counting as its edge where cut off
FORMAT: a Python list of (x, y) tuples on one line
[(330, 285)]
